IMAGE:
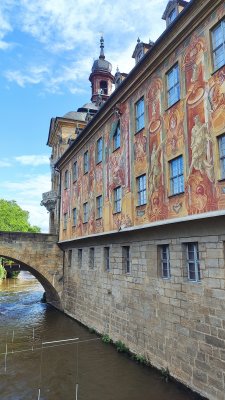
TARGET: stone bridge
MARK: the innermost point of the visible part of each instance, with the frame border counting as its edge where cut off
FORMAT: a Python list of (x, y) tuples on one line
[(40, 255)]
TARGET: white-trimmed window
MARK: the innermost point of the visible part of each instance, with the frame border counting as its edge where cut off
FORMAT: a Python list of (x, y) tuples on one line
[(173, 85), (99, 150), (126, 259), (117, 199), (107, 258), (99, 206), (74, 216), (75, 171), (116, 138), (85, 212), (86, 162), (141, 190), (165, 261), (80, 256), (221, 141), (65, 220), (66, 179), (176, 175), (92, 258), (140, 114), (218, 45), (193, 265)]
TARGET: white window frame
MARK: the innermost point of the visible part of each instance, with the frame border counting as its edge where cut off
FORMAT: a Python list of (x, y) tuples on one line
[(141, 190), (99, 150), (165, 261), (173, 85), (221, 142), (116, 138), (176, 176), (193, 262), (117, 199), (74, 216), (99, 204), (86, 162), (216, 46), (85, 213), (140, 114)]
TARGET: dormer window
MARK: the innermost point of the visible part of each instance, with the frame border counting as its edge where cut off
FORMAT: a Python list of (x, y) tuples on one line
[(172, 15)]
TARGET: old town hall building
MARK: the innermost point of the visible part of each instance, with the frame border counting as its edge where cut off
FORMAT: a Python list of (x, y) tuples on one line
[(138, 199)]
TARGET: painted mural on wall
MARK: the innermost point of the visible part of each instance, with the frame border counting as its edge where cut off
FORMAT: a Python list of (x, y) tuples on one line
[(189, 128)]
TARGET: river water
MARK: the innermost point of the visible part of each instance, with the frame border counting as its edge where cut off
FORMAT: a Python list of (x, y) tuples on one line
[(36, 371)]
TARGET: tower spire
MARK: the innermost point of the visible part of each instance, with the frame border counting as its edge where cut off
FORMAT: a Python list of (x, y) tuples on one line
[(102, 55)]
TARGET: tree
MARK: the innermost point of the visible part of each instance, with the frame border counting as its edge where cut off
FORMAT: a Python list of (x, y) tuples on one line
[(14, 219)]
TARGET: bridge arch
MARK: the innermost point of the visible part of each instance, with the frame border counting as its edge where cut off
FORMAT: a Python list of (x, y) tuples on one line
[(40, 255)]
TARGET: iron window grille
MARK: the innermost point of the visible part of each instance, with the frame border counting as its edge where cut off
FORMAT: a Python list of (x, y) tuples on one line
[(165, 261), (140, 114), (177, 175), (218, 45), (141, 189), (107, 258), (126, 259), (173, 85), (193, 265)]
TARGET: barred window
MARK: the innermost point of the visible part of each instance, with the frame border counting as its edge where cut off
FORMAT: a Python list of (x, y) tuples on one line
[(165, 261), (126, 259), (107, 258), (193, 264)]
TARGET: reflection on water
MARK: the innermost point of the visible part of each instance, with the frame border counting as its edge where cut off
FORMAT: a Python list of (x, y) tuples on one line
[(30, 367)]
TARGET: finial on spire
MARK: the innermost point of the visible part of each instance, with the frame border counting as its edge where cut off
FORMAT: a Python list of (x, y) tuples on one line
[(138, 40), (102, 55)]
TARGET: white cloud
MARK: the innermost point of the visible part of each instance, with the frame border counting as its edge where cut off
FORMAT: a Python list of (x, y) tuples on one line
[(28, 194), (5, 163), (33, 160), (34, 75)]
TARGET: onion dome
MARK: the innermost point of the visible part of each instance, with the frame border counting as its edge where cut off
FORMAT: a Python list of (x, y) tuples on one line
[(102, 64)]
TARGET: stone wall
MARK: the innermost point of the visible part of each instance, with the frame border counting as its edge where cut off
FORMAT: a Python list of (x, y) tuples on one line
[(174, 322)]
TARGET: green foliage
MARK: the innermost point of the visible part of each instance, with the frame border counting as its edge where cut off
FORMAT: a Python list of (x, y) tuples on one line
[(12, 274), (106, 339), (2, 272), (165, 374), (14, 219), (140, 359), (121, 347), (92, 330)]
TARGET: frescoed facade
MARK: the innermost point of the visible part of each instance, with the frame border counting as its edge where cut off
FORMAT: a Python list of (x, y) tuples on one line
[(141, 200)]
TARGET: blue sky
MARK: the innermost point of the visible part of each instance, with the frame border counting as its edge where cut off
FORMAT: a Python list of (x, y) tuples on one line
[(47, 48)]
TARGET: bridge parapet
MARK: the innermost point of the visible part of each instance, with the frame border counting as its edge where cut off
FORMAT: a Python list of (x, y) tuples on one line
[(39, 254)]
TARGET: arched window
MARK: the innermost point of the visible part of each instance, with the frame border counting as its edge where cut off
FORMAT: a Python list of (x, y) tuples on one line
[(104, 87)]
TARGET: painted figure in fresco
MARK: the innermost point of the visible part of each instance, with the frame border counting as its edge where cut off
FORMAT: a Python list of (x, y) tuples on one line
[(200, 146), (154, 169)]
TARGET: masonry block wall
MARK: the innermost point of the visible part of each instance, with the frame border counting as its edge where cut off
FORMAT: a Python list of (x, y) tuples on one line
[(175, 322)]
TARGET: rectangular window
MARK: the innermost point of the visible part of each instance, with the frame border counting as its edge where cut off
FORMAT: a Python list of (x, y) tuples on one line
[(221, 141), (126, 259), (172, 16), (176, 176), (116, 138), (74, 216), (99, 206), (141, 190), (85, 215), (66, 179), (218, 45), (65, 220), (80, 255), (140, 114), (165, 261), (117, 199), (86, 162), (75, 171), (91, 258), (107, 258), (70, 254), (193, 265), (99, 150), (173, 86)]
